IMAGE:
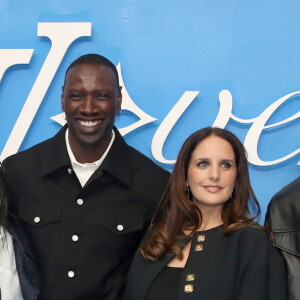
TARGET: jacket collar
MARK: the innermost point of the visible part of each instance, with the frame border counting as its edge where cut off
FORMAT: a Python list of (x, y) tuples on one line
[(55, 156), (118, 161)]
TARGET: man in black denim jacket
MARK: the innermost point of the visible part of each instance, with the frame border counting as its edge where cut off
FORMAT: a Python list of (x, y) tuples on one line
[(84, 196)]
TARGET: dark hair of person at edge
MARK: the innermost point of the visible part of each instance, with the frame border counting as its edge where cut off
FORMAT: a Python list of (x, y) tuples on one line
[(3, 200)]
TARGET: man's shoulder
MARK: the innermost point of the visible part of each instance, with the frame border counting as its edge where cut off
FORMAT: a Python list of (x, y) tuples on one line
[(129, 157), (28, 154), (36, 155), (284, 208), (249, 239), (141, 160), (287, 195), (253, 233)]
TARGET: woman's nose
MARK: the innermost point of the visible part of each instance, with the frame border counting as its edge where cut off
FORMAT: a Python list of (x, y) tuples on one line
[(214, 173)]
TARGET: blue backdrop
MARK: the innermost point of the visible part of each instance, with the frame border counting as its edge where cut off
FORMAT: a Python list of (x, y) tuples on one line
[(176, 57)]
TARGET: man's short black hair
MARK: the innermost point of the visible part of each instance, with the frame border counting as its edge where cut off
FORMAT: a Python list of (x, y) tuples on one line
[(93, 59)]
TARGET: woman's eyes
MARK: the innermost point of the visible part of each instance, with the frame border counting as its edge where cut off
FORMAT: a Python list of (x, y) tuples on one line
[(202, 164), (224, 165)]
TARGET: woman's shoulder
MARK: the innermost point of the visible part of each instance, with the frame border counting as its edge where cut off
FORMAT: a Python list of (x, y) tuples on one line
[(254, 230), (253, 236), (253, 244)]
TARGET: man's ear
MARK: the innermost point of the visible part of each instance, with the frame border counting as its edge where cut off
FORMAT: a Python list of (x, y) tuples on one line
[(119, 99), (62, 99)]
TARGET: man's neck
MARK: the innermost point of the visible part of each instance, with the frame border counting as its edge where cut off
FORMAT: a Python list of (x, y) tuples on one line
[(88, 153)]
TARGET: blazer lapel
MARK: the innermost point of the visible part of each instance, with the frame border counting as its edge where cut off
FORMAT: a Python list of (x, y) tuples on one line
[(142, 273)]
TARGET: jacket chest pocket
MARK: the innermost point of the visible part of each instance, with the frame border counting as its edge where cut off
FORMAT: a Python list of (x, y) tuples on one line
[(288, 241), (38, 215), (120, 223)]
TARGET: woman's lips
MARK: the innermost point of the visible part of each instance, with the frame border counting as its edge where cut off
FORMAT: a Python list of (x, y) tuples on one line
[(213, 188)]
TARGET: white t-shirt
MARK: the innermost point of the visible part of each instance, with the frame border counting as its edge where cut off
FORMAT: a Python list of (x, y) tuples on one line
[(85, 171), (9, 279)]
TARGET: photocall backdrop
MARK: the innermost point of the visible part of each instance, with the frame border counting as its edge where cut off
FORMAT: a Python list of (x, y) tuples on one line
[(183, 65)]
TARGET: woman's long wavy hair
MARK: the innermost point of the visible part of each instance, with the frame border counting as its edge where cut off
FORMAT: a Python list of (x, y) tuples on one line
[(3, 200), (177, 212)]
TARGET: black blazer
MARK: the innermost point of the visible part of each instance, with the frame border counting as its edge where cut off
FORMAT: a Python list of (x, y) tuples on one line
[(283, 218), (240, 266)]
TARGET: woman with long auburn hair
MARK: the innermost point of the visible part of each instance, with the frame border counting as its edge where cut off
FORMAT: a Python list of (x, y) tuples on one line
[(203, 242)]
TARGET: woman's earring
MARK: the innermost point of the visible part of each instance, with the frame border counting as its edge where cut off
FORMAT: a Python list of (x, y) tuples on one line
[(188, 192), (231, 194)]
